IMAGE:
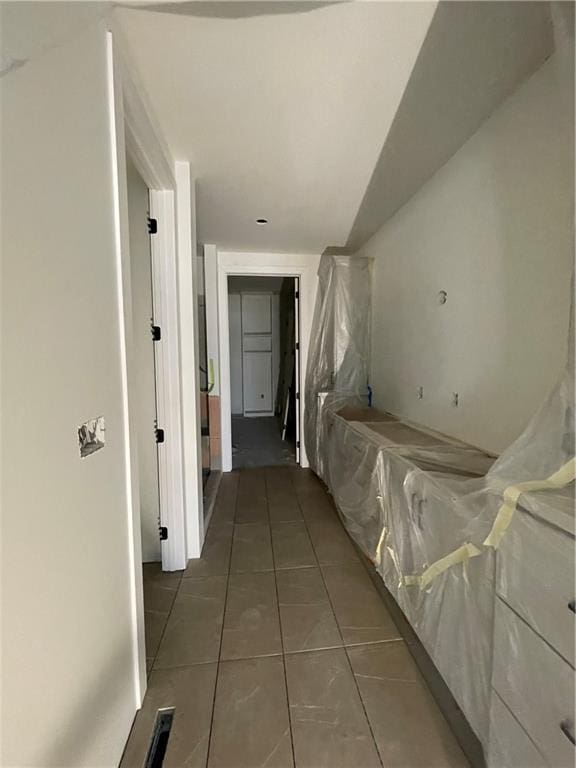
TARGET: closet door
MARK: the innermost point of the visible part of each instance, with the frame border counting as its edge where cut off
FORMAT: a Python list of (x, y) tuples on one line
[(257, 382), (257, 354)]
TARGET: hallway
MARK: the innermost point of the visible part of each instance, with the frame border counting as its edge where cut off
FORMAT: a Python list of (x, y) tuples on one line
[(276, 650), (258, 443)]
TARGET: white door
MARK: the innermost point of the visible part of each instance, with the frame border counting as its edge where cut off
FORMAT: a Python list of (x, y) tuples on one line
[(257, 383), (256, 313), (257, 356), (297, 362)]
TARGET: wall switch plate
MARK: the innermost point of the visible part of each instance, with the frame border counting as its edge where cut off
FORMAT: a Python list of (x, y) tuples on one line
[(91, 436)]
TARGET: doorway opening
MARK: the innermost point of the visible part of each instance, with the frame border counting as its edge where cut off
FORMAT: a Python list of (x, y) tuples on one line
[(264, 351)]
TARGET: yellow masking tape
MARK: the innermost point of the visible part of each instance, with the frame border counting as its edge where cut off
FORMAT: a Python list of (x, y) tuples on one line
[(511, 495), (460, 555)]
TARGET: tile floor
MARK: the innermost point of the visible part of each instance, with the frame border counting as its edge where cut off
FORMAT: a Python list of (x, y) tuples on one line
[(276, 650), (258, 442)]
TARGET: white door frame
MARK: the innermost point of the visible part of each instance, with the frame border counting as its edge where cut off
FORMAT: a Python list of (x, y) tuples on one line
[(133, 131), (302, 266)]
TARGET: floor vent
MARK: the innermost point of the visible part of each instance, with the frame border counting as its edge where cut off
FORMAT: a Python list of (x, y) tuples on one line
[(159, 741)]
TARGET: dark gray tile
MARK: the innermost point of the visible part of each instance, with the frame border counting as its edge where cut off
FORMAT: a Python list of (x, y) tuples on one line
[(154, 572), (251, 728), (192, 635), (251, 503), (191, 692), (331, 543), (159, 594), (154, 625), (329, 727), (316, 505), (225, 505), (360, 612), (292, 546), (407, 724), (251, 625), (215, 559), (306, 616), (279, 477), (251, 548), (305, 479), (283, 506)]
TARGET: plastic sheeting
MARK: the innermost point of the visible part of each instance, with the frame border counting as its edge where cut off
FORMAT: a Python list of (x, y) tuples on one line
[(429, 511)]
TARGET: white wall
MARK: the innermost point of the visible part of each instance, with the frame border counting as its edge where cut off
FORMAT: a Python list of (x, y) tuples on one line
[(69, 687), (144, 389), (493, 228)]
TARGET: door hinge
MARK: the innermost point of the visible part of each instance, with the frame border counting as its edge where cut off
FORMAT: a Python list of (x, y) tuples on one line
[(297, 345), (163, 531), (156, 332), (152, 226), (159, 435), (298, 444), (297, 295), (297, 395)]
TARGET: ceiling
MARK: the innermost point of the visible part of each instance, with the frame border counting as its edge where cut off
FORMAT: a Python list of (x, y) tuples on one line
[(322, 117), (475, 54), (282, 114)]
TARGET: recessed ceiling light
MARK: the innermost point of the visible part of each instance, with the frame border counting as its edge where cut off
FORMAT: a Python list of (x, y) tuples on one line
[(261, 222)]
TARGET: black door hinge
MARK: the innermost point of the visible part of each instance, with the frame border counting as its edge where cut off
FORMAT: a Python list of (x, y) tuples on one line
[(297, 395), (159, 435), (163, 531), (156, 332), (152, 226), (297, 345), (298, 444), (297, 295)]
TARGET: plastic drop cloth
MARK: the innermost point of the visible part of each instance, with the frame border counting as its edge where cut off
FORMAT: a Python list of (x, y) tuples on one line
[(425, 508)]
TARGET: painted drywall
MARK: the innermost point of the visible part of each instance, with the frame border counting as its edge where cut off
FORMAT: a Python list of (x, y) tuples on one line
[(494, 229), (68, 669), (236, 384), (144, 389)]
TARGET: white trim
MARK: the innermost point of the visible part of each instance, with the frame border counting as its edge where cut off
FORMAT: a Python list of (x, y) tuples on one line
[(304, 267), (189, 358), (168, 395), (124, 289), (133, 129)]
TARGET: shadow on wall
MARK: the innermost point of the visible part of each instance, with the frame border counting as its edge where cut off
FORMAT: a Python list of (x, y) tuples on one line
[(475, 54), (72, 741), (231, 10)]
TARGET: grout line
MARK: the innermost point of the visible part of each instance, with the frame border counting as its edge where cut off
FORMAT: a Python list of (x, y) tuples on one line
[(342, 638), (221, 631), (281, 634), (163, 628)]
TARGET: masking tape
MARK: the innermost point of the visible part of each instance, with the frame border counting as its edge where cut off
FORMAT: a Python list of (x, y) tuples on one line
[(460, 555), (511, 495)]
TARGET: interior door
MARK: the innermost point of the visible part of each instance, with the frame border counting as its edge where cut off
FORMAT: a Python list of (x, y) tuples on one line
[(257, 356), (257, 382), (297, 362)]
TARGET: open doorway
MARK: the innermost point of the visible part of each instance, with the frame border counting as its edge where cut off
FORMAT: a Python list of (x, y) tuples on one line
[(264, 370)]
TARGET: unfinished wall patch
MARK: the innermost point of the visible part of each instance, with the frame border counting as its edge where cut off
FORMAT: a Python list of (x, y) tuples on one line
[(91, 436)]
